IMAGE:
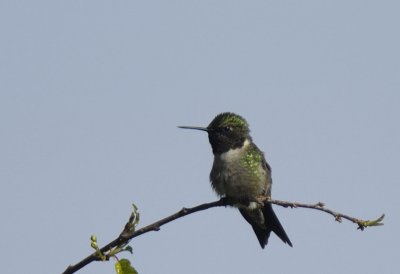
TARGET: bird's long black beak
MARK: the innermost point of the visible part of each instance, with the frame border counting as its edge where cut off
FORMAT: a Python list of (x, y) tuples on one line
[(197, 128)]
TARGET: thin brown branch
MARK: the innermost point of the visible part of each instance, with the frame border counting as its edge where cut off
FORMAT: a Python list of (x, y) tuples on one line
[(337, 215), (126, 235)]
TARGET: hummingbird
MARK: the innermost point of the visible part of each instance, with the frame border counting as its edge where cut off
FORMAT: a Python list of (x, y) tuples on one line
[(241, 173)]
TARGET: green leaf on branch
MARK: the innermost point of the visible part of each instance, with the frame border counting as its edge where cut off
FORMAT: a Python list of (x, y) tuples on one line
[(123, 266), (135, 217), (133, 221), (377, 222), (129, 249)]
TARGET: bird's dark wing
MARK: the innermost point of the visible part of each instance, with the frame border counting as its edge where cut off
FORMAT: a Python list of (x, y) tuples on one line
[(272, 222)]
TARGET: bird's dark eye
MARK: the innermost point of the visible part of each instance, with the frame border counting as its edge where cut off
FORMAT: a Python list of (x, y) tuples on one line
[(227, 129)]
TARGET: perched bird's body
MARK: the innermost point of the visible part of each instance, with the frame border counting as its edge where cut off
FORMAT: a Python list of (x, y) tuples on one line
[(240, 172)]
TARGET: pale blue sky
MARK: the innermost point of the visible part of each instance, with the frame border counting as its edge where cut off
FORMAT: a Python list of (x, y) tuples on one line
[(91, 93)]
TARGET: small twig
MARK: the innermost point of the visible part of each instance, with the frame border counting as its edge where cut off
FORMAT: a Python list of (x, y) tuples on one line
[(127, 234), (362, 224)]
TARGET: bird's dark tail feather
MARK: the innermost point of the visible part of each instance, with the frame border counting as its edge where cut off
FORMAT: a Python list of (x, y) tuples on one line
[(272, 224)]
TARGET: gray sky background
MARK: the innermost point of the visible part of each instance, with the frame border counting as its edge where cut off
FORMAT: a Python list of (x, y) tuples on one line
[(91, 93)]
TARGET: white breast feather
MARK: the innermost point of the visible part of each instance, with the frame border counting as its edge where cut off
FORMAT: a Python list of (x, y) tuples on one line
[(233, 154)]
